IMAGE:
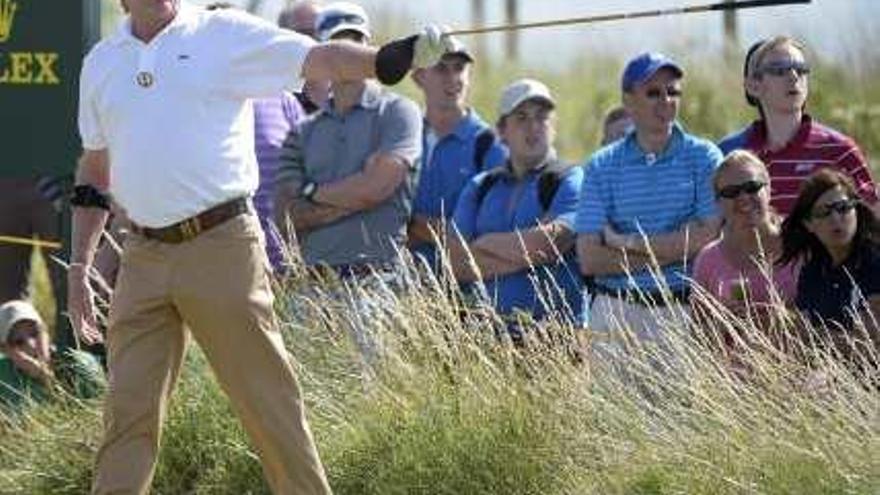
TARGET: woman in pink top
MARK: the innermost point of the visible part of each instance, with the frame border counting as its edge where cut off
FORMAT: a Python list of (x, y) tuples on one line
[(737, 269)]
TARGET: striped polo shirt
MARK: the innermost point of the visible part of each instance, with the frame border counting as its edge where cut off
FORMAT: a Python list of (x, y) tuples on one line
[(813, 147), (634, 192)]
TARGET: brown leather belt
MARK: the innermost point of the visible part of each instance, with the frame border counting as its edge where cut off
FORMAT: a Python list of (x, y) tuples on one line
[(190, 228)]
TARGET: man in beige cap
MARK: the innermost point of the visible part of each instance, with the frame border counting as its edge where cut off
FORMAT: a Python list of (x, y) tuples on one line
[(515, 222), (28, 366)]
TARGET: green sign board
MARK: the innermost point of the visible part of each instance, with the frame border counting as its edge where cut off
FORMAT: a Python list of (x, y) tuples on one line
[(42, 43)]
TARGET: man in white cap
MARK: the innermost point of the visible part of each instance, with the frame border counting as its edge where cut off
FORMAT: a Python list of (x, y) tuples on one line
[(28, 365), (166, 122), (516, 221)]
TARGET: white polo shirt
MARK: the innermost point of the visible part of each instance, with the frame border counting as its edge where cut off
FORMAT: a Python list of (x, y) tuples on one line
[(175, 115)]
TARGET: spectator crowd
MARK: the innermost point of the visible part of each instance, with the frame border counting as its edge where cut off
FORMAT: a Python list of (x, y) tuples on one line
[(350, 181)]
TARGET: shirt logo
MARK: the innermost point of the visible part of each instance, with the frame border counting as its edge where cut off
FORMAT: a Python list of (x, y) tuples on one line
[(183, 56), (144, 79), (804, 168)]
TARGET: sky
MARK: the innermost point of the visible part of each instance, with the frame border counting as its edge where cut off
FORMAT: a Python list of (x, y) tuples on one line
[(840, 29)]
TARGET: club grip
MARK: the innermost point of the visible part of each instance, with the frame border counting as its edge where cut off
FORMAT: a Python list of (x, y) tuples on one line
[(747, 4)]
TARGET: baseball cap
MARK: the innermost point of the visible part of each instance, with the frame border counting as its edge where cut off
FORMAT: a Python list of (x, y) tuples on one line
[(520, 91), (12, 312), (342, 16), (457, 48), (642, 67)]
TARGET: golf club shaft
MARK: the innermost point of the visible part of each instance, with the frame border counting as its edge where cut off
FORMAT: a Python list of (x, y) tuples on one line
[(719, 6)]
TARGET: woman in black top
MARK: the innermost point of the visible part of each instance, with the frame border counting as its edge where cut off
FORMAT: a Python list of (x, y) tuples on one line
[(838, 239)]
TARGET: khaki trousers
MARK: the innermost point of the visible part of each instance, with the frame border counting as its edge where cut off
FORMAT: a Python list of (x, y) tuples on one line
[(215, 287)]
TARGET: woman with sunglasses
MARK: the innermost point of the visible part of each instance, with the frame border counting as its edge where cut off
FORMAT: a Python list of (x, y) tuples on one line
[(785, 137), (29, 367), (737, 268), (838, 238)]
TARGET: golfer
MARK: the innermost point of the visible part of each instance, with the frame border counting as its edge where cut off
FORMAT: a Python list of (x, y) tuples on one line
[(167, 129)]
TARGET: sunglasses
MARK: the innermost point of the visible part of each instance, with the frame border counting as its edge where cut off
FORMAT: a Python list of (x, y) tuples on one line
[(842, 207), (657, 93), (779, 69), (734, 190)]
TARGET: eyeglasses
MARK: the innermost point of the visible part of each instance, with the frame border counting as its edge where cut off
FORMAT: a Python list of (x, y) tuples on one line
[(332, 21), (657, 93), (733, 191), (842, 207), (779, 69)]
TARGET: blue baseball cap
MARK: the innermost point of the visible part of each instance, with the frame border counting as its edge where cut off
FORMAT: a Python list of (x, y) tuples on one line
[(642, 67)]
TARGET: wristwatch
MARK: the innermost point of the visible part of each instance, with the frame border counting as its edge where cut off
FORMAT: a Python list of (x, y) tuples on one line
[(308, 190)]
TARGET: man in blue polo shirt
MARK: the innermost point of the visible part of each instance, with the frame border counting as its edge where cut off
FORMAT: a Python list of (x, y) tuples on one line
[(456, 145), (517, 220), (647, 195)]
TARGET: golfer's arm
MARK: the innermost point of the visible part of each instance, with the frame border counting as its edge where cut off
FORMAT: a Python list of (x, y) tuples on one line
[(88, 222), (340, 62)]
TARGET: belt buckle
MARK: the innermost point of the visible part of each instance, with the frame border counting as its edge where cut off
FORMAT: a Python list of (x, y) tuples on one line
[(190, 228)]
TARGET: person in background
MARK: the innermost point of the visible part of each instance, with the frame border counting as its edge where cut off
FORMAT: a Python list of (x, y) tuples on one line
[(835, 234), (456, 145), (30, 368), (647, 196), (28, 210), (785, 136), (737, 271), (302, 17), (347, 181), (615, 125), (513, 227)]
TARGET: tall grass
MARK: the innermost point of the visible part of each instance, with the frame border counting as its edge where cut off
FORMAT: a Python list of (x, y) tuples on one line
[(450, 409)]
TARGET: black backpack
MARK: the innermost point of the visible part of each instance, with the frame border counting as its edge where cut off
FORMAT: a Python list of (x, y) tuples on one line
[(485, 140), (548, 184)]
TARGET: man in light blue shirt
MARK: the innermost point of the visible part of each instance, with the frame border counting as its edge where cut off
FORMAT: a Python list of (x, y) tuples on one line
[(456, 145), (516, 222), (647, 195)]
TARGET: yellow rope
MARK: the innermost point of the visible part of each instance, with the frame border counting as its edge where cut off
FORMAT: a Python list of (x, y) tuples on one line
[(27, 241)]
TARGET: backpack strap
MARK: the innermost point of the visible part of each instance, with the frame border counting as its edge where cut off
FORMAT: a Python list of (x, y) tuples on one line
[(484, 141), (488, 181)]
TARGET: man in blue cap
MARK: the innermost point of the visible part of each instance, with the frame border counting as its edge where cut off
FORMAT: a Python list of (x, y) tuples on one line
[(648, 195)]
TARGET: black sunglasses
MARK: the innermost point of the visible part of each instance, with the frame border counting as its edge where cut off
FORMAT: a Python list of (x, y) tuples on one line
[(779, 69), (842, 207), (656, 93), (733, 191)]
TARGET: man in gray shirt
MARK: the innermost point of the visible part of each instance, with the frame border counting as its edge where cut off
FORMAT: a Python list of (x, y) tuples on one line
[(346, 180)]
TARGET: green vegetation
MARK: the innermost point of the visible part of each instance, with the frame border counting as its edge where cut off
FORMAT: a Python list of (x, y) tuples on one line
[(451, 411)]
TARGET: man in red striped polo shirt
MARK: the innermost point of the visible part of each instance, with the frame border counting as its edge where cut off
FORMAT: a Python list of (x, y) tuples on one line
[(785, 137)]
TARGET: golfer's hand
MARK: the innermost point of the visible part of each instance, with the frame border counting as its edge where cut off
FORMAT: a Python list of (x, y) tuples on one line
[(81, 305), (431, 44)]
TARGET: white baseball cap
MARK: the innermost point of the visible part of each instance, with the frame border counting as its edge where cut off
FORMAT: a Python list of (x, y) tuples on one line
[(12, 312), (341, 16), (520, 91)]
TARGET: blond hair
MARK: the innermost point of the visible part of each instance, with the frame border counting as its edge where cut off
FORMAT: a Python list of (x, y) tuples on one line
[(757, 59), (739, 158)]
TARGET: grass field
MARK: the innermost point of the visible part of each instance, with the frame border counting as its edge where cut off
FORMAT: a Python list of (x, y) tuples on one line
[(451, 411)]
